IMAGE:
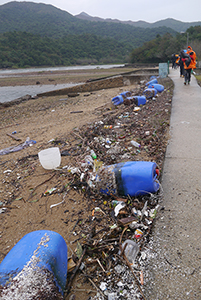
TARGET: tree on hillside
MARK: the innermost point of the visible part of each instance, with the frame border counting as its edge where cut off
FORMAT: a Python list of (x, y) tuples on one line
[(155, 51), (161, 48)]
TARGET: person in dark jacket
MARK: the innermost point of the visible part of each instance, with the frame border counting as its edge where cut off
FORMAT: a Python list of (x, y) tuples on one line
[(173, 58), (189, 61), (181, 65)]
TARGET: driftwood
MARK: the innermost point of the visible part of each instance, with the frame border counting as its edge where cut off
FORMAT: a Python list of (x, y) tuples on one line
[(13, 137), (74, 272)]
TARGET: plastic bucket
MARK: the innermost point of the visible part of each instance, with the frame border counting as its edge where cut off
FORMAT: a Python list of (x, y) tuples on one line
[(132, 178), (38, 250), (50, 158), (158, 87)]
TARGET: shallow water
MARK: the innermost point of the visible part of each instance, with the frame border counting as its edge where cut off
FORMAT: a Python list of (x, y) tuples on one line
[(9, 93), (3, 73)]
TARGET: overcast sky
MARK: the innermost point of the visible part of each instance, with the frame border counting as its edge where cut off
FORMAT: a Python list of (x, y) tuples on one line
[(134, 10)]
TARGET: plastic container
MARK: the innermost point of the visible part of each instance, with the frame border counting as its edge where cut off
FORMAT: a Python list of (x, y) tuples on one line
[(138, 233), (50, 158), (140, 100), (35, 252), (150, 93), (135, 144), (126, 94), (153, 77), (118, 100), (152, 81), (158, 87), (131, 250), (93, 154), (132, 178)]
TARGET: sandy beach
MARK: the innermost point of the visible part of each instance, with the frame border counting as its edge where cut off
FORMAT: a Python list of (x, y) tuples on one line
[(68, 123)]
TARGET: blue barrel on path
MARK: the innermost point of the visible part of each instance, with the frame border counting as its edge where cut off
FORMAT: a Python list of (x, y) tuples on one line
[(132, 178), (37, 254)]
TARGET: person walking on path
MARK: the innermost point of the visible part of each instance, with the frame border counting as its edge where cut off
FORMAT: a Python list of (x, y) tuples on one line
[(181, 65), (189, 61), (173, 58)]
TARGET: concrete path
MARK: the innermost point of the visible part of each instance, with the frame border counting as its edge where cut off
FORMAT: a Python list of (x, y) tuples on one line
[(175, 268)]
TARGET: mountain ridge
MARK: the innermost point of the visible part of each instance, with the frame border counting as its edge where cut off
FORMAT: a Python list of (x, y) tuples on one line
[(47, 20), (168, 22)]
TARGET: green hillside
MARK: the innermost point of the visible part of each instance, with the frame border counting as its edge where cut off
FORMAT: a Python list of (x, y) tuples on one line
[(47, 20), (22, 49), (36, 34), (161, 48)]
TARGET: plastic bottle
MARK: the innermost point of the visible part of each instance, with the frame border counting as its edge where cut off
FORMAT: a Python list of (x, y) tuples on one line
[(93, 154), (131, 250), (88, 161), (135, 144)]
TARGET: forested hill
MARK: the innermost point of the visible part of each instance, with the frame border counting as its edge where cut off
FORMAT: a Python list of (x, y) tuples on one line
[(47, 20), (37, 34)]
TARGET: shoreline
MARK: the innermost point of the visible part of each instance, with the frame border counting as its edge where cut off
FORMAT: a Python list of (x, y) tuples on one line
[(58, 76)]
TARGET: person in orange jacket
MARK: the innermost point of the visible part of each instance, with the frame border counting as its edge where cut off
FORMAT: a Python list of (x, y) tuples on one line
[(189, 61)]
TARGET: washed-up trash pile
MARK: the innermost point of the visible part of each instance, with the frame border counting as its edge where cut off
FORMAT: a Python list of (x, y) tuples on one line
[(115, 164), (111, 243), (153, 87)]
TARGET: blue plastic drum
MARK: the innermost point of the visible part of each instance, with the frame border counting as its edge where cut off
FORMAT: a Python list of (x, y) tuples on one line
[(132, 178), (38, 250), (150, 93), (152, 81), (126, 94), (118, 100), (158, 87), (140, 100)]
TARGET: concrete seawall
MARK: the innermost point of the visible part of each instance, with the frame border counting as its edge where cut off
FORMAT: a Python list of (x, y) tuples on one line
[(125, 79)]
